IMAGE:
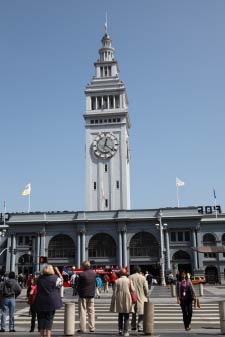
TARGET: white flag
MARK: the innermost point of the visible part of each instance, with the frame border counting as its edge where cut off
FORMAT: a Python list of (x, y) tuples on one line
[(179, 182), (27, 189)]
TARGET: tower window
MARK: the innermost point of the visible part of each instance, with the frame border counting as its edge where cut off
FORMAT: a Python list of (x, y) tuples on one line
[(117, 184), (110, 102), (94, 185), (101, 71), (117, 99), (99, 101), (106, 202), (106, 168), (93, 103)]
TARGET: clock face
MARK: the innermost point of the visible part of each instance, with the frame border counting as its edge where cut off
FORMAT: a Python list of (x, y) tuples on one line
[(105, 145)]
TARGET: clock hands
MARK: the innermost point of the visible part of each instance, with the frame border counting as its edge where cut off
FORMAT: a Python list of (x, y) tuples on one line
[(105, 145)]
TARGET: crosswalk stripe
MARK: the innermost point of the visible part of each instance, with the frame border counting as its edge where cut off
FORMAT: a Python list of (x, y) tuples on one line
[(207, 314)]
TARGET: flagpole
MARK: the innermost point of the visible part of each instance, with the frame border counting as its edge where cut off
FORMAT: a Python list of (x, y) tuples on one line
[(4, 213), (214, 192), (29, 203), (178, 202)]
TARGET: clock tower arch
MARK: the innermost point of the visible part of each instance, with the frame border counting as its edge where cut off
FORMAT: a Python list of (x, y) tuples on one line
[(107, 154)]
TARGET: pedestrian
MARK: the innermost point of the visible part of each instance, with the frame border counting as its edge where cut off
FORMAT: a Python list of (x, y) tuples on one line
[(99, 285), (86, 291), (21, 280), (113, 279), (31, 294), (149, 279), (185, 296), (48, 298), (10, 290), (141, 290), (171, 279), (106, 280), (121, 301), (73, 282)]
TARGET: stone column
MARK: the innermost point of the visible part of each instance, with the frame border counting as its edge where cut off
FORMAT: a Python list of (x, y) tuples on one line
[(83, 237), (13, 253), (78, 250), (8, 254), (37, 247), (120, 248), (168, 249), (124, 246), (194, 242), (42, 242)]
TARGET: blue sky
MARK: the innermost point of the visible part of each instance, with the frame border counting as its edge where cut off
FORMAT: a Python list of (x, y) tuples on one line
[(171, 56)]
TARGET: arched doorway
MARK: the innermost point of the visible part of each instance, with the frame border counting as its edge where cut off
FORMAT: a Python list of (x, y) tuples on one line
[(102, 250), (144, 251), (25, 264), (61, 251), (181, 261), (211, 274)]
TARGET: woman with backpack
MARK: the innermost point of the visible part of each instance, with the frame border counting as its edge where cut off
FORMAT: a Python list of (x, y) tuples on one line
[(185, 297)]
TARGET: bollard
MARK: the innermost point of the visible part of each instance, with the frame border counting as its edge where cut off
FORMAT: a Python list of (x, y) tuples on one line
[(148, 323), (69, 319), (222, 317), (62, 291), (200, 289), (173, 290)]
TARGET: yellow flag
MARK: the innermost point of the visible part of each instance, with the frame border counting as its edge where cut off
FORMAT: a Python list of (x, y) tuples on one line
[(27, 189)]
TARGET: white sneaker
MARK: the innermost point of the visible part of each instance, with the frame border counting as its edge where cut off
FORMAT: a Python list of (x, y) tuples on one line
[(126, 334)]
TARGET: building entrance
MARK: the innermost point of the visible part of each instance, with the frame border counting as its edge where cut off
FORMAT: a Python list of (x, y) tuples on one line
[(153, 269)]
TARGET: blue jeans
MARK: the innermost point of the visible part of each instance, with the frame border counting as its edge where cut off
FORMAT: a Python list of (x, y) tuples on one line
[(8, 302)]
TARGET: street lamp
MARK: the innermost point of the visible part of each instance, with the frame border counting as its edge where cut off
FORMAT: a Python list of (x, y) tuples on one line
[(161, 227)]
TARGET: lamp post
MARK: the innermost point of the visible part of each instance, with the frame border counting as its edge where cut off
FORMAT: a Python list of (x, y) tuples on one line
[(161, 227)]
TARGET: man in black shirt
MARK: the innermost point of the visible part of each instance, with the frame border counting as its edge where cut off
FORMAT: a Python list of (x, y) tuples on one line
[(86, 291)]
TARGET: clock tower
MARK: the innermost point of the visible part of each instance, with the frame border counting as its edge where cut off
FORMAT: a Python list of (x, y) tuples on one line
[(107, 135)]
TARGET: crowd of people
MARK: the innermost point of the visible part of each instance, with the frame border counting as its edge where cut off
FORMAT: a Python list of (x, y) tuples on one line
[(130, 292)]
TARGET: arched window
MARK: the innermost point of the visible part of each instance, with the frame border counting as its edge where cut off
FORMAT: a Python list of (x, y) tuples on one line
[(144, 244), (181, 255), (209, 240), (102, 245), (223, 239), (223, 243), (211, 274), (61, 246)]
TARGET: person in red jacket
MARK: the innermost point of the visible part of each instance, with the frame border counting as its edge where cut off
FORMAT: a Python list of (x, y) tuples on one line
[(113, 279), (31, 292)]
